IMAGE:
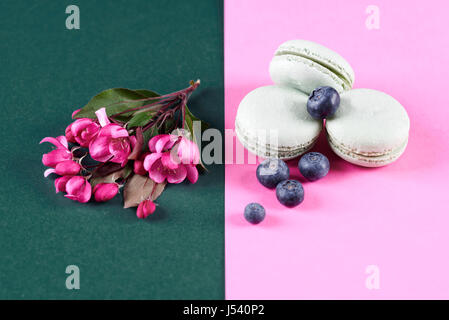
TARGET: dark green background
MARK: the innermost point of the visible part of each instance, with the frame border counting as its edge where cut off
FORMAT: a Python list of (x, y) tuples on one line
[(47, 72)]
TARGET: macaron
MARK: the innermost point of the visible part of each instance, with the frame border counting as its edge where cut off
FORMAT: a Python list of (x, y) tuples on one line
[(370, 128), (273, 122), (306, 65)]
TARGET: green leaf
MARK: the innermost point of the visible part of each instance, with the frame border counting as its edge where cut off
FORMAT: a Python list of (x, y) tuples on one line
[(195, 136), (191, 118), (140, 119), (147, 93), (115, 100)]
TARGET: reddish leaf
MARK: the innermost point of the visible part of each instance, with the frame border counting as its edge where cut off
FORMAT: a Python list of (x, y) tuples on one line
[(138, 147), (139, 188)]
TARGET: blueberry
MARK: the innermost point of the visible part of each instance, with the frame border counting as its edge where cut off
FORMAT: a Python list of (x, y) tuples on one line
[(313, 166), (272, 171), (254, 213), (323, 102), (290, 193)]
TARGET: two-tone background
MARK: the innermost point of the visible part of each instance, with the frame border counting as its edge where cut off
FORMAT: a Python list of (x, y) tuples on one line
[(360, 233)]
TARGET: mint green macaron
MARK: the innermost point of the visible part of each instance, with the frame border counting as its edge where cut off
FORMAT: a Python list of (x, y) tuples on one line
[(306, 65), (370, 128)]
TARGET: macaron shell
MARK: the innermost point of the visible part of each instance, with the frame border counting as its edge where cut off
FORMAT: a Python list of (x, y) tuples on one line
[(322, 55), (303, 74), (368, 161), (275, 118), (369, 124), (264, 151)]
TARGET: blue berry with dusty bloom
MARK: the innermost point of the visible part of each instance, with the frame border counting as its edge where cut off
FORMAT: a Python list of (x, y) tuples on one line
[(323, 102), (272, 171), (290, 193), (254, 213), (313, 166)]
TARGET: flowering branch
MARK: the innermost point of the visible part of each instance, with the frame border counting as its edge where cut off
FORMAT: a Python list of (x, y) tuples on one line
[(116, 137)]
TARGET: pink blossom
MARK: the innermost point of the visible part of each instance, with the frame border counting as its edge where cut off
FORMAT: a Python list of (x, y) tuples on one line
[(173, 158), (63, 168), (145, 208), (105, 191), (112, 143), (61, 182), (61, 153), (78, 189), (82, 131)]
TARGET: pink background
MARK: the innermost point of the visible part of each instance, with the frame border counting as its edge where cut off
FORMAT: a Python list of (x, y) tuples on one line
[(395, 217)]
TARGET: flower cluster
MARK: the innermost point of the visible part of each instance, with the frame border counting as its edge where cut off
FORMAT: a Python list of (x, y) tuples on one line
[(97, 156)]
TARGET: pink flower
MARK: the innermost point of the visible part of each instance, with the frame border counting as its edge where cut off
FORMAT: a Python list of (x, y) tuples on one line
[(145, 208), (61, 153), (105, 191), (64, 168), (112, 143), (173, 159), (61, 182), (78, 189), (82, 131)]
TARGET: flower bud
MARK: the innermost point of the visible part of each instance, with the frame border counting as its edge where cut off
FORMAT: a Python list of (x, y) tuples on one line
[(67, 168), (105, 191), (78, 189), (138, 165), (61, 182), (145, 208)]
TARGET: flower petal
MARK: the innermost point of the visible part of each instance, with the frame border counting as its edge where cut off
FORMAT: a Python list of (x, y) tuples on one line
[(102, 117), (188, 152), (55, 141), (120, 149), (177, 175), (145, 208), (68, 167), (138, 168), (153, 141), (105, 191), (61, 182), (79, 125), (114, 131), (168, 161), (150, 159), (165, 142), (63, 140), (69, 135), (75, 185), (99, 149), (75, 112), (79, 189), (192, 173), (48, 172), (86, 193), (52, 158), (157, 172)]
